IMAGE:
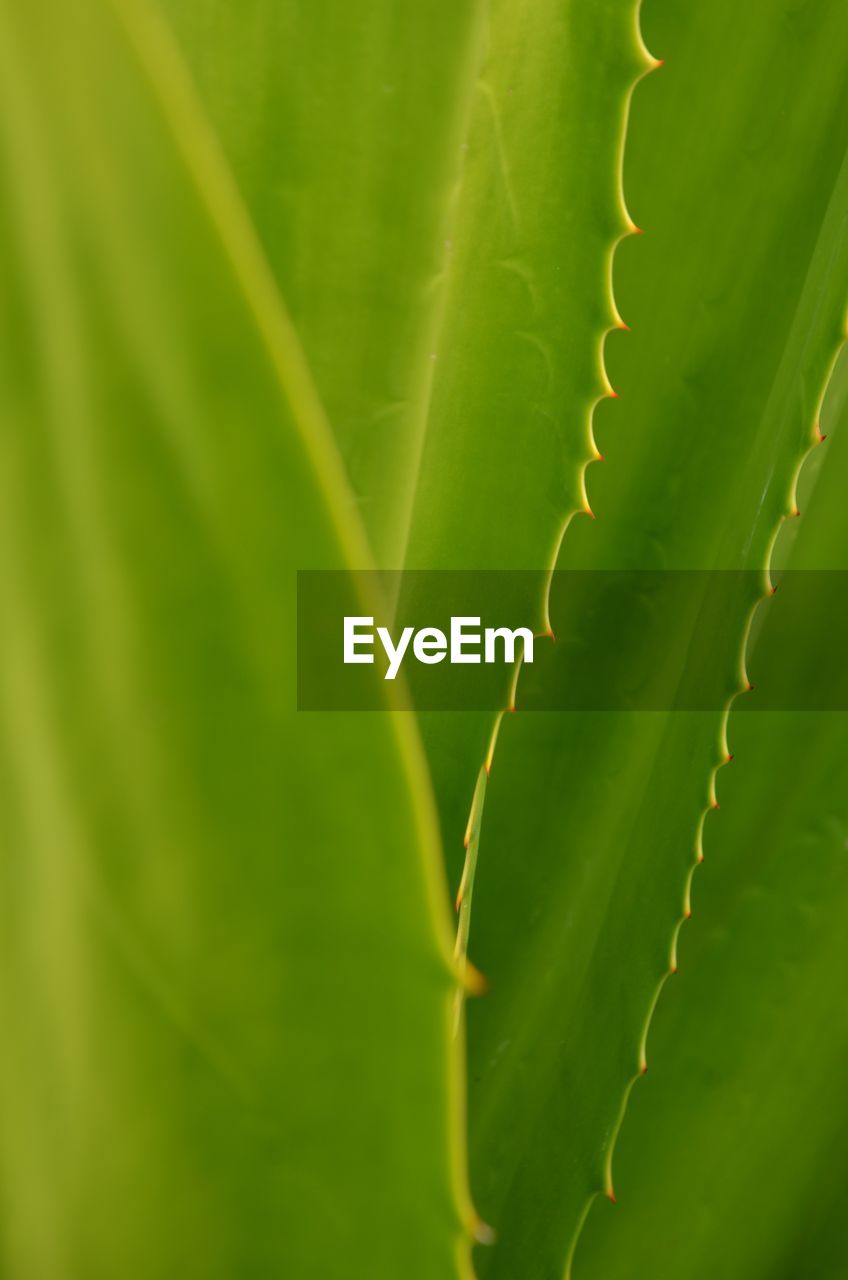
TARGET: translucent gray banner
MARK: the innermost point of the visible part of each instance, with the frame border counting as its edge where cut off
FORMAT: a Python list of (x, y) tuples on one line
[(629, 640)]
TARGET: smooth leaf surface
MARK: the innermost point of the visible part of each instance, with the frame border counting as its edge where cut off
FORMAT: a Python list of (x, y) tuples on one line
[(438, 191), (593, 823), (343, 125), (226, 989), (732, 1156)]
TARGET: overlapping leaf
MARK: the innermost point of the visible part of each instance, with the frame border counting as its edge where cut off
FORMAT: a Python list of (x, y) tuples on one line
[(438, 191), (229, 917), (226, 988), (732, 1156), (593, 822)]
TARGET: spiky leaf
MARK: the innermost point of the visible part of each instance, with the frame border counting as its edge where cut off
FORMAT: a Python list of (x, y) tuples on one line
[(593, 823)]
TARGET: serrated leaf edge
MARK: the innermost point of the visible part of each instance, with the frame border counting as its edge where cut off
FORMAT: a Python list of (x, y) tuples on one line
[(725, 757)]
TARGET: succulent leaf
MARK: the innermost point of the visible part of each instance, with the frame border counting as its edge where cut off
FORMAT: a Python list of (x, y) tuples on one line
[(732, 1156), (453, 309), (593, 823), (227, 994)]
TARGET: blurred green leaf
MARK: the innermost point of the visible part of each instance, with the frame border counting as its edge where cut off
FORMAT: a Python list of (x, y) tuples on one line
[(343, 125), (226, 982)]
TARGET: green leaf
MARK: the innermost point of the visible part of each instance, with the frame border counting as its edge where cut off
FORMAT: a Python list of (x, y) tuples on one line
[(528, 303), (469, 288), (439, 193), (732, 1158), (593, 823), (343, 126), (226, 989)]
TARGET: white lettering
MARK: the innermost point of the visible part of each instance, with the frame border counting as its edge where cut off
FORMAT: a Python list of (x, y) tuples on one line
[(430, 645), (459, 638), (509, 638), (394, 655), (352, 638)]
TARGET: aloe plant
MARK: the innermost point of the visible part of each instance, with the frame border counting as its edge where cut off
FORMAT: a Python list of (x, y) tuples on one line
[(732, 1159), (335, 287)]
